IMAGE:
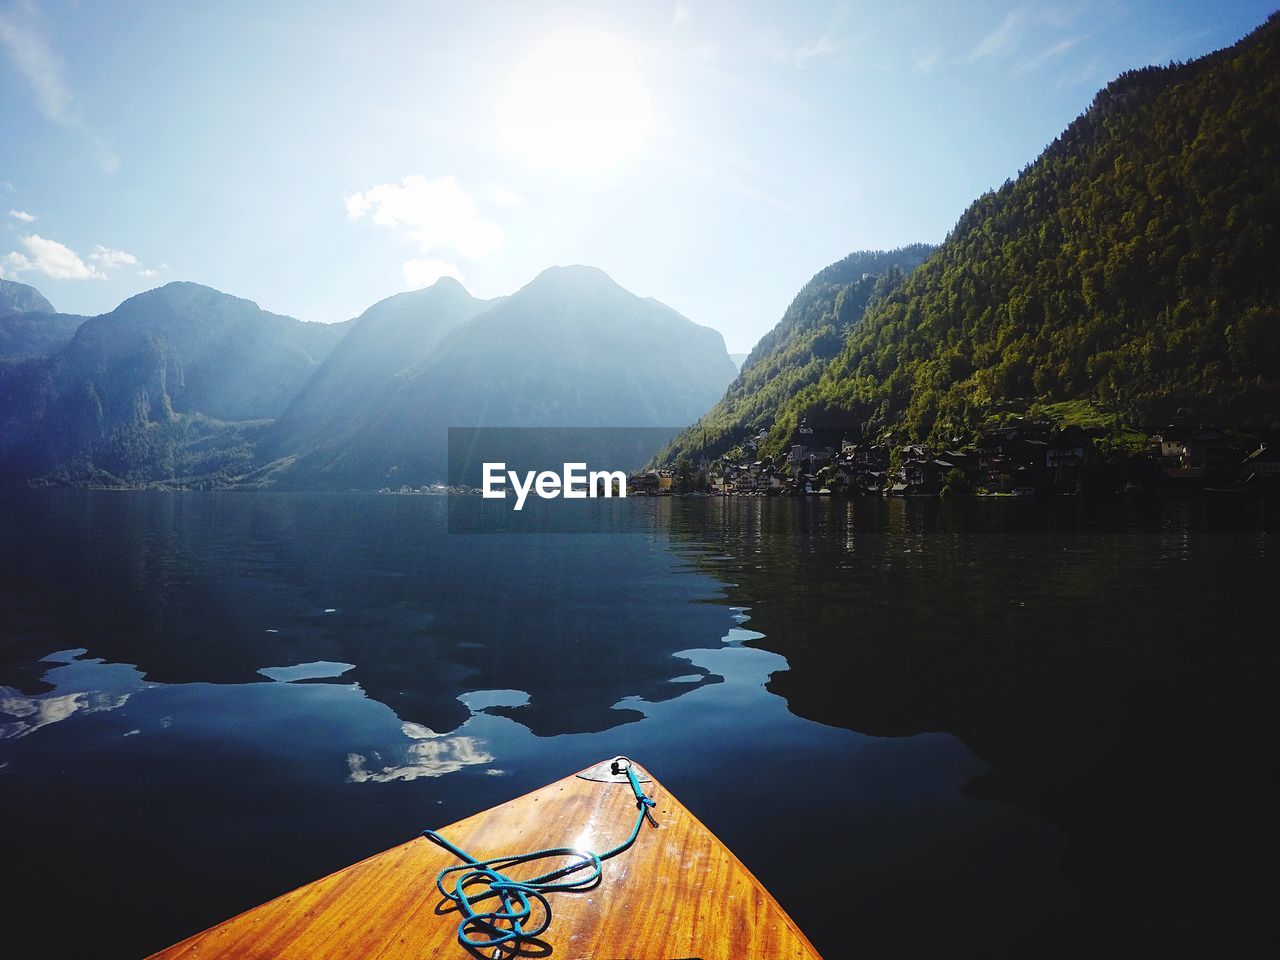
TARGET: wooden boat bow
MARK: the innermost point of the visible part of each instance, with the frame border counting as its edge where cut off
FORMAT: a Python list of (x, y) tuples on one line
[(678, 892)]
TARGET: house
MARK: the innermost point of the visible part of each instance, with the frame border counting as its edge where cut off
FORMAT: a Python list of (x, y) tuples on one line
[(1067, 449), (997, 479), (1263, 465), (843, 475), (991, 449), (915, 451), (1211, 450), (643, 484), (875, 456), (1171, 442), (1171, 445), (811, 449), (1065, 456), (752, 444), (922, 476), (958, 459), (1023, 483)]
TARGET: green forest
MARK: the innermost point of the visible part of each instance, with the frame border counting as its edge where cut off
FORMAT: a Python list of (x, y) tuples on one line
[(1132, 266), (794, 354), (1129, 272)]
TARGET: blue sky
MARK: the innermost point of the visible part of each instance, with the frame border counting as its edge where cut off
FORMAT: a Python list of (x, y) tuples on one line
[(318, 157)]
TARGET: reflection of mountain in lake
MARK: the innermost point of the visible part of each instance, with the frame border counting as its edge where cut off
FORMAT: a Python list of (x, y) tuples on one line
[(1117, 669), (218, 588)]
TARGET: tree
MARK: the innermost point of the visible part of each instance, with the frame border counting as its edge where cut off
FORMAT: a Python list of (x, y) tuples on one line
[(683, 479), (957, 484)]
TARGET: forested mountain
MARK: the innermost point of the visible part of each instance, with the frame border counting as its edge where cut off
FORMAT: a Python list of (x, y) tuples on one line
[(572, 349), (1133, 264), (364, 370), (1131, 267), (147, 392), (29, 325), (795, 352)]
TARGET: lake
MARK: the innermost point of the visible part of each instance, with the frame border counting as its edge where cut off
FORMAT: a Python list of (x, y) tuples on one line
[(961, 728)]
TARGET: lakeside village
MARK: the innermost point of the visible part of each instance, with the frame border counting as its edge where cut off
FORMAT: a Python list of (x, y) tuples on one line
[(1023, 457)]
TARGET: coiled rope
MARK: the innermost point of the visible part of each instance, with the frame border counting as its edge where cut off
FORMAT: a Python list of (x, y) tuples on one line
[(480, 930)]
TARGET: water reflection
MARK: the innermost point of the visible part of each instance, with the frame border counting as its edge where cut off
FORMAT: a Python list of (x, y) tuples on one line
[(1114, 664), (220, 588), (955, 702), (37, 712), (319, 670), (32, 713), (432, 756)]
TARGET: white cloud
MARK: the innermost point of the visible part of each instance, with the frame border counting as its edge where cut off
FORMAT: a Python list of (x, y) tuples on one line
[(22, 215), (32, 713), (108, 258), (428, 757), (51, 258), (925, 62), (1005, 38), (423, 273), (42, 69), (437, 214), (680, 14), (815, 50), (1040, 59), (507, 199)]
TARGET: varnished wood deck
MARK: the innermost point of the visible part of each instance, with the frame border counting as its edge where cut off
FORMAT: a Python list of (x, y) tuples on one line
[(678, 893)]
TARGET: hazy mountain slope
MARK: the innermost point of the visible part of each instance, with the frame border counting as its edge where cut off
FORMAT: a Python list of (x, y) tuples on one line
[(134, 387), (22, 298), (362, 371), (29, 325), (795, 352), (27, 335), (572, 348), (1133, 264)]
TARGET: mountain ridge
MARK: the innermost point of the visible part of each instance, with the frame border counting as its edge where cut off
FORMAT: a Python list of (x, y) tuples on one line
[(570, 348), (1130, 265), (186, 385), (796, 351)]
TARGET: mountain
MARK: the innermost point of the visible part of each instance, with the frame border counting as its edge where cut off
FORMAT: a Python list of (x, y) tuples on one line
[(572, 348), (21, 298), (151, 391), (29, 325), (1131, 266), (366, 367), (795, 352)]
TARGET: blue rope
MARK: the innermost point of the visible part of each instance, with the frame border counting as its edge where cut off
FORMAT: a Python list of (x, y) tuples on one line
[(518, 896)]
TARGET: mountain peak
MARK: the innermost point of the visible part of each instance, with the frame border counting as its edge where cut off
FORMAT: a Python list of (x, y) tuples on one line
[(447, 283), (446, 293), (573, 277), (22, 298), (179, 297)]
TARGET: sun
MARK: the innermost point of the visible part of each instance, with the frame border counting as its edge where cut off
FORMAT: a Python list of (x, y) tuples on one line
[(577, 103)]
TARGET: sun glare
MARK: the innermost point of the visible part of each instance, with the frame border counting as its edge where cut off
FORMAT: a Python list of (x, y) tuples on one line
[(577, 102)]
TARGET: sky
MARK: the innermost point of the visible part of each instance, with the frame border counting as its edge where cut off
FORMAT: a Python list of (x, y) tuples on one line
[(318, 157)]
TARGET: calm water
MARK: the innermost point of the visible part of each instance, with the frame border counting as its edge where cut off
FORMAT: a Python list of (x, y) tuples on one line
[(987, 729)]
